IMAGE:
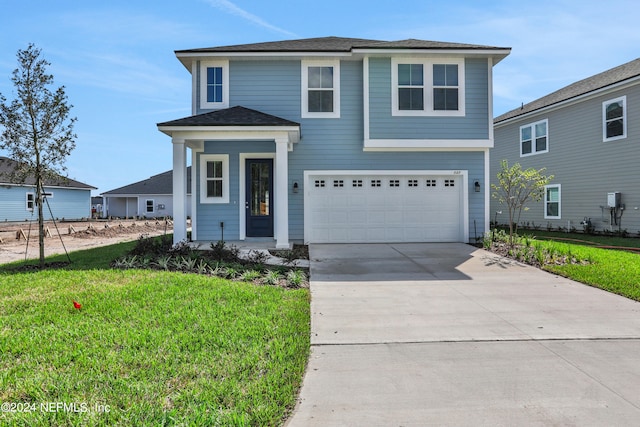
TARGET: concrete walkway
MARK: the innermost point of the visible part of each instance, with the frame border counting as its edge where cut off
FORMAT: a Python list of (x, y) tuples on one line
[(446, 334)]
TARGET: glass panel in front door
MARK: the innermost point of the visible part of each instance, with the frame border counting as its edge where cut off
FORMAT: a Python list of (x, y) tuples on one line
[(260, 202)]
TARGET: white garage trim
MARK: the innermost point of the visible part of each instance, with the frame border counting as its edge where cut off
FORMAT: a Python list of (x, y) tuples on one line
[(461, 204)]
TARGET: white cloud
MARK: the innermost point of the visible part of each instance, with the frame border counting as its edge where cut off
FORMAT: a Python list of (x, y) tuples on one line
[(227, 6)]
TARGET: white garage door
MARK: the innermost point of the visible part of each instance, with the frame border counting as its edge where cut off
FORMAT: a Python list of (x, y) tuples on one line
[(347, 208)]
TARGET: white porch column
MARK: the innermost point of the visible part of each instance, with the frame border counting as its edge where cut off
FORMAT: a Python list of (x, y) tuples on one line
[(179, 190), (282, 194)]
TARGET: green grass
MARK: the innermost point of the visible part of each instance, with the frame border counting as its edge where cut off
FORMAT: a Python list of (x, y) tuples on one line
[(614, 270), (157, 348)]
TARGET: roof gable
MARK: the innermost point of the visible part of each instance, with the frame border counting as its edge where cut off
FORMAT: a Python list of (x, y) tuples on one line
[(7, 166), (599, 81)]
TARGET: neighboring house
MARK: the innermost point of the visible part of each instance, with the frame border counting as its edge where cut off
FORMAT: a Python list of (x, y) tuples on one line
[(67, 198), (97, 205), (150, 198), (588, 136), (336, 140)]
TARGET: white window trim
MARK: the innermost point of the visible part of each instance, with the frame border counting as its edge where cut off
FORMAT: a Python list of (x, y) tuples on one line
[(204, 158), (146, 205), (624, 119), (225, 85), (546, 188), (305, 64), (428, 64), (33, 201), (533, 138)]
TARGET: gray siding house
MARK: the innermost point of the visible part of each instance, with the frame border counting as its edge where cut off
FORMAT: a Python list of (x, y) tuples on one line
[(149, 198), (588, 136), (68, 199), (336, 140)]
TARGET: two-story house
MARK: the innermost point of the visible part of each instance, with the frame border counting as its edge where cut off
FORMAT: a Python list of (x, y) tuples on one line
[(587, 135), (336, 140)]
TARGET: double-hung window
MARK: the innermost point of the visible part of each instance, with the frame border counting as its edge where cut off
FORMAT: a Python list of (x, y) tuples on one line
[(534, 138), (31, 201), (214, 84), (427, 87), (149, 205), (614, 119), (320, 89), (552, 198), (214, 178)]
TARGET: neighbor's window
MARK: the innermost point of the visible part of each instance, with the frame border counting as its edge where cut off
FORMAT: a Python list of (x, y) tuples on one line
[(552, 202), (31, 201), (149, 206), (321, 89), (614, 124), (424, 87), (534, 138), (214, 182), (214, 84)]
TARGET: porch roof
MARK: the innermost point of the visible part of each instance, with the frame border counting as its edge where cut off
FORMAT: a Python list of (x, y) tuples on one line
[(234, 116)]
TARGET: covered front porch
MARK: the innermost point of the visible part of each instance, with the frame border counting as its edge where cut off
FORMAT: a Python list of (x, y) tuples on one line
[(227, 147)]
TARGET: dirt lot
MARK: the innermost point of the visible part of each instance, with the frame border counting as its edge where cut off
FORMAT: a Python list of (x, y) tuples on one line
[(75, 235)]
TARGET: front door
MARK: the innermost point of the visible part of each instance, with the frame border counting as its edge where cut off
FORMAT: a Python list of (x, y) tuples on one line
[(259, 194)]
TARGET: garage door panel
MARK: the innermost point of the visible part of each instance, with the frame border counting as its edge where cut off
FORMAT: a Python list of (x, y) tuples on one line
[(384, 208)]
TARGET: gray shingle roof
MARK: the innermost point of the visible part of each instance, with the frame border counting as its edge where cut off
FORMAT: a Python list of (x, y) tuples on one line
[(234, 116), (157, 184), (334, 44), (582, 87), (7, 166)]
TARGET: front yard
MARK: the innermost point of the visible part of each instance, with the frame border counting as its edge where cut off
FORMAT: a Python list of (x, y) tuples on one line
[(586, 259), (147, 347)]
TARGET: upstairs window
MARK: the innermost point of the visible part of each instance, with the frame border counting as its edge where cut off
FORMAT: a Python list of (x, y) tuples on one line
[(411, 87), (614, 120), (214, 84), (534, 138), (445, 87), (320, 89), (425, 87), (214, 178)]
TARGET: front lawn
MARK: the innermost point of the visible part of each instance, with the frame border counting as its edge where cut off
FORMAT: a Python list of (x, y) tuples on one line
[(581, 258), (147, 347)]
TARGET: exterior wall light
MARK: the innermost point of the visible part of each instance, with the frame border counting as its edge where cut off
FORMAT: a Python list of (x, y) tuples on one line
[(295, 187), (476, 186)]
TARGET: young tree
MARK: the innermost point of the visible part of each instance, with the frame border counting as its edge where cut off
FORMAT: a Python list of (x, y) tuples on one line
[(516, 188), (37, 132)]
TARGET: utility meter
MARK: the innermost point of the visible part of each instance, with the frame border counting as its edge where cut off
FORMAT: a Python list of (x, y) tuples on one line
[(613, 200)]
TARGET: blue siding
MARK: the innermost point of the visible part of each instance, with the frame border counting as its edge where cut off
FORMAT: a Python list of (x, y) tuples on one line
[(210, 215), (273, 87), (475, 124), (65, 204)]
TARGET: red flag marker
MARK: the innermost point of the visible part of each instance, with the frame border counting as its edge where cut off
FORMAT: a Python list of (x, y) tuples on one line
[(77, 305)]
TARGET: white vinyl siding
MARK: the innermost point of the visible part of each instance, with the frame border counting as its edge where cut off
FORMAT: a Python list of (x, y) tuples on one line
[(427, 87), (552, 202), (614, 119), (320, 89), (534, 138)]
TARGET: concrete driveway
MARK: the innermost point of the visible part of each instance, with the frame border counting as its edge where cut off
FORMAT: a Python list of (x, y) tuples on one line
[(447, 334)]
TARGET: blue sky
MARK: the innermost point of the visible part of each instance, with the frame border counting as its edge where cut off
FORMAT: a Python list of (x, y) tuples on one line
[(116, 58)]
